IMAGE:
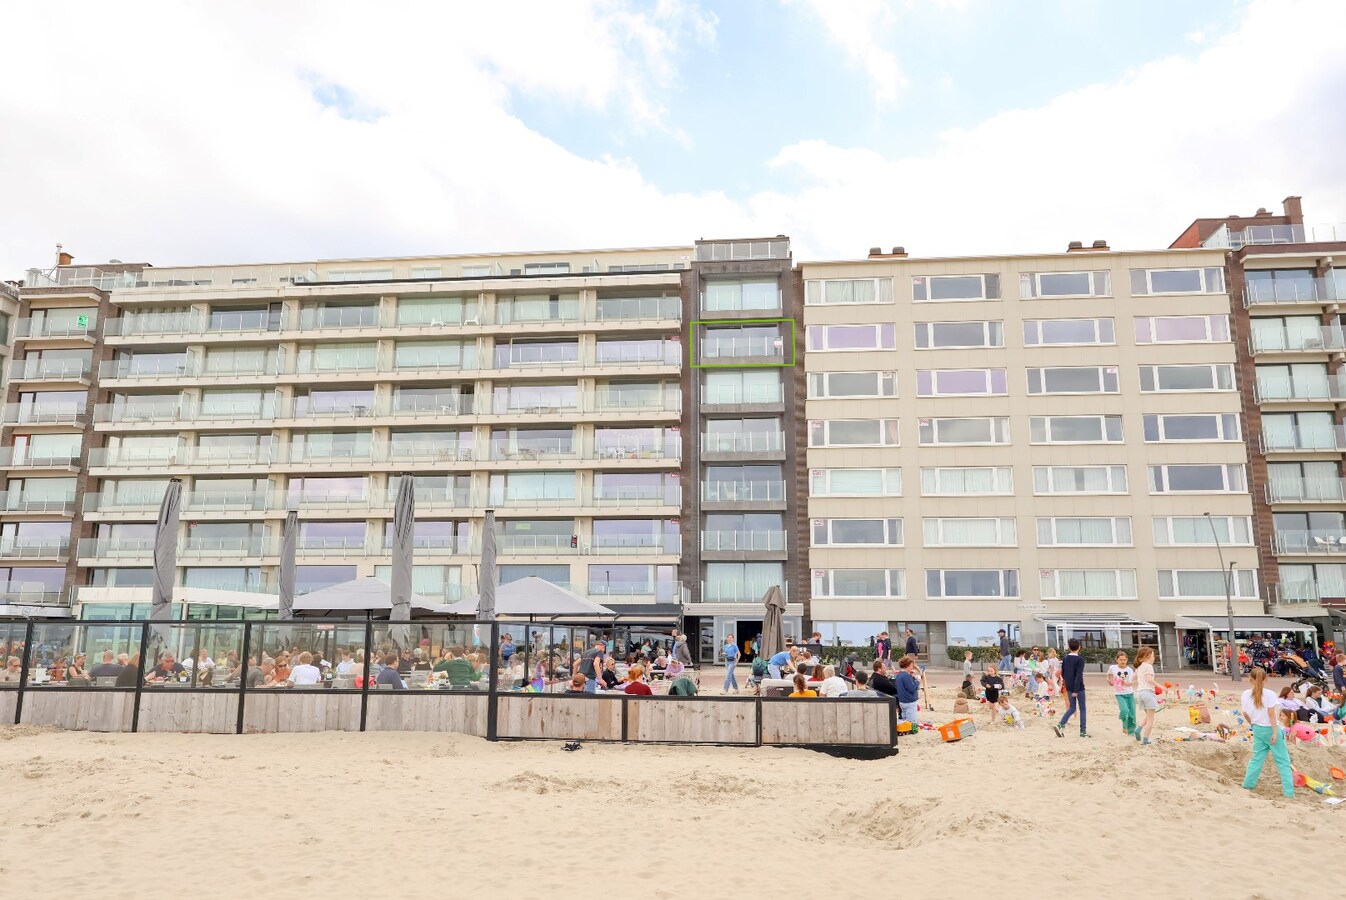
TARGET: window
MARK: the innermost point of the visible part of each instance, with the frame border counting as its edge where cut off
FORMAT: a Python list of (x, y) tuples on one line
[(960, 382), (1300, 431), (857, 532), (1177, 281), (1087, 584), (1073, 380), (1207, 584), (437, 311), (1200, 531), (1207, 427), (735, 581), (1284, 286), (845, 291), (1034, 285), (548, 268), (1187, 479), (836, 338), (1093, 531), (955, 287), (971, 583), (964, 431), (859, 583), (1218, 377), (1065, 332), (853, 433), (532, 487), (833, 385), (1183, 329), (1075, 429), (939, 335), (855, 483), (741, 295), (1296, 381), (426, 271), (1079, 480), (966, 481), (969, 532), (741, 386)]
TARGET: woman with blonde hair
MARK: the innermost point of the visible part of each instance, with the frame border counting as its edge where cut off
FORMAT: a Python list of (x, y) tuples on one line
[(1147, 701), (1259, 702)]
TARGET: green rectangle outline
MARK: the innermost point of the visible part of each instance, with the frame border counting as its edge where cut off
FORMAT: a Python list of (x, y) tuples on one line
[(691, 344)]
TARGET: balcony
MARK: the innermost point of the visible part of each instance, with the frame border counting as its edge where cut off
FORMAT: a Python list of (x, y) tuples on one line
[(1256, 235), (743, 541), (727, 251), (17, 547), (19, 593), (1317, 542), (743, 347), (743, 443), (336, 318), (743, 492), (533, 450), (1294, 292), (537, 544), (13, 502), (15, 458), (634, 545), (30, 329), (115, 458), (671, 496), (1296, 340), (67, 370), (116, 548), (1317, 439), (638, 309), (227, 548), (413, 452), (1283, 389), (44, 414), (738, 592), (1306, 490), (747, 395)]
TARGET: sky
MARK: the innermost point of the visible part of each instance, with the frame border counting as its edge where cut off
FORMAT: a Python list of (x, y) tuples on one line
[(218, 133)]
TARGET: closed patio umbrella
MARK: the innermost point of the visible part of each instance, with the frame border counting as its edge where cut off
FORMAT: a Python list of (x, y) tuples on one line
[(486, 575), (288, 543), (773, 622), (166, 552), (404, 526)]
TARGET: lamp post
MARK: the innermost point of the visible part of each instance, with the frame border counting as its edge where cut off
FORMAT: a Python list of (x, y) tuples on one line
[(1234, 671)]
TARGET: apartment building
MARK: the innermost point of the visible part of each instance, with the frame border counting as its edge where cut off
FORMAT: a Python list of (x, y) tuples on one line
[(1287, 284), (1026, 442), (543, 385)]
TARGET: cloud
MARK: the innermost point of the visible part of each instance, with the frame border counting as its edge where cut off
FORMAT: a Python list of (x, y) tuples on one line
[(859, 27)]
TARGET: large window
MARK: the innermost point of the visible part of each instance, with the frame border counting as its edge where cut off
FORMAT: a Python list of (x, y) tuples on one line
[(857, 532), (1075, 429), (1219, 377), (532, 487), (989, 430), (741, 386), (1202, 531), (436, 311), (853, 433), (855, 483), (1198, 479), (835, 338), (1067, 332), (436, 354), (763, 294), (1183, 329), (845, 291), (1300, 431), (1092, 531), (967, 481), (1177, 281), (1202, 427), (960, 382), (741, 581), (1206, 584), (955, 287), (1034, 285), (969, 532), (961, 335), (863, 583), (1079, 480), (1073, 380), (1087, 584), (971, 583), (835, 385)]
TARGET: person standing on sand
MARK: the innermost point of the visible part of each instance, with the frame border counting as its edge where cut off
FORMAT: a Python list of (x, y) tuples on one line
[(1123, 680), (730, 662), (1006, 661), (1258, 702), (913, 646), (1051, 666), (883, 647), (1072, 677)]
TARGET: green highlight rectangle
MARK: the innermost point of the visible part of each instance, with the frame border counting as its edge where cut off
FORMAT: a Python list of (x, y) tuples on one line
[(691, 344)]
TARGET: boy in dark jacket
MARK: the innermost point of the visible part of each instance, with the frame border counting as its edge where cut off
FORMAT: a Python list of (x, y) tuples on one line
[(1072, 676)]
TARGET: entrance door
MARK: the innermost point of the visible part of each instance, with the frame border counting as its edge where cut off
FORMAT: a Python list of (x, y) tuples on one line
[(706, 641), (748, 630)]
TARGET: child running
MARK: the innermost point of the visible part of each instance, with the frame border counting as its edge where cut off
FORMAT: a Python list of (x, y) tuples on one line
[(1146, 699), (1123, 680)]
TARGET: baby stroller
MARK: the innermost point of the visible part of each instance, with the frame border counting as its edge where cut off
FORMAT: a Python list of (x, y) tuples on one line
[(1304, 676), (759, 671)]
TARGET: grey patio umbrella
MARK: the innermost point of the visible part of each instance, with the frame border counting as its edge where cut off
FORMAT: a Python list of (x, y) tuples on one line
[(773, 622), (486, 575), (404, 527), (166, 552), (288, 542)]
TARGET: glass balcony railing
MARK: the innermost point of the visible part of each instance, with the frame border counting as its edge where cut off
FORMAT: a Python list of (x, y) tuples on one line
[(738, 591), (1303, 593), (537, 544), (637, 353), (430, 451), (743, 442), (533, 449), (226, 547), (670, 496), (224, 457), (1284, 440), (743, 541), (712, 395), (19, 547), (50, 370), (742, 347), (1295, 340), (116, 548), (335, 318), (44, 413), (58, 328), (634, 545), (20, 457), (627, 309), (1279, 234), (16, 502), (1306, 490), (1294, 290), (29, 594), (1316, 541), (523, 501), (1273, 388), (743, 492)]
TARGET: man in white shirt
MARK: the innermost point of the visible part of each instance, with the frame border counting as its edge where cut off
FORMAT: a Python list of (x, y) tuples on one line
[(832, 685), (305, 673)]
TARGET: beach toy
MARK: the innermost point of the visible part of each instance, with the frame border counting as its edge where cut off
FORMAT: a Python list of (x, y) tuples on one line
[(1313, 785), (1337, 774), (1302, 731), (1300, 779), (956, 730)]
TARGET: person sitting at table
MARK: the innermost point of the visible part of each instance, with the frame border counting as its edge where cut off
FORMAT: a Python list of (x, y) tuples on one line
[(389, 674), (420, 662), (263, 675), (57, 670), (461, 672), (13, 671), (76, 668), (442, 664), (283, 666), (107, 668), (609, 674), (660, 666), (347, 664), (881, 681), (305, 674), (832, 685), (168, 669), (201, 663), (404, 662), (635, 683), (130, 672), (123, 660), (862, 688), (802, 688), (676, 668), (577, 684)]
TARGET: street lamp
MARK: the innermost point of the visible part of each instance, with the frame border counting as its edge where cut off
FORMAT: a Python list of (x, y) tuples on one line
[(1234, 671)]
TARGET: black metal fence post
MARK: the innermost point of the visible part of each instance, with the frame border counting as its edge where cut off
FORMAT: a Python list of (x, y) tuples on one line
[(243, 675), (493, 687), (140, 677), (23, 671), (758, 707), (364, 686)]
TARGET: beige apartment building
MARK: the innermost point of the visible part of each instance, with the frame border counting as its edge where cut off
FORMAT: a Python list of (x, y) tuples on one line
[(1026, 442), (545, 386)]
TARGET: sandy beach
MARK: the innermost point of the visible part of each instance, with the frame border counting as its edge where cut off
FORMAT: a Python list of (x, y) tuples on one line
[(126, 816)]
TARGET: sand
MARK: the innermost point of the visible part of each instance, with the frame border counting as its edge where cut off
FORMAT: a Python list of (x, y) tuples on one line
[(131, 816)]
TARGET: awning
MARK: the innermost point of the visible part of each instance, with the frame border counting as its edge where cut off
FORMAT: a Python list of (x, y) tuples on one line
[(534, 597), (646, 610), (1095, 621), (1250, 624)]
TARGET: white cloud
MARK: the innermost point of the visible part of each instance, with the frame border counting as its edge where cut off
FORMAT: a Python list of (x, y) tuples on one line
[(859, 28)]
